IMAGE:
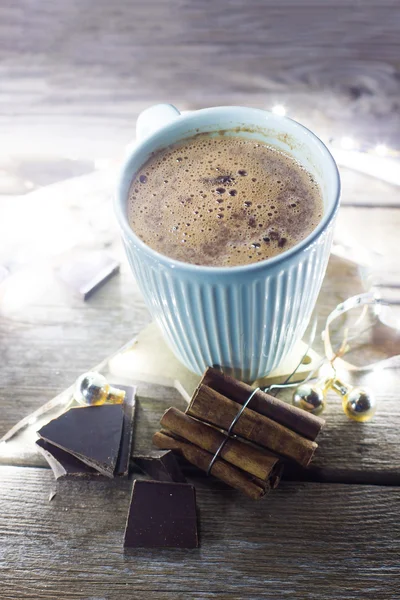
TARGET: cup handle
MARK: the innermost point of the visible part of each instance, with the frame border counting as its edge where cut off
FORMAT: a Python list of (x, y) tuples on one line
[(154, 118)]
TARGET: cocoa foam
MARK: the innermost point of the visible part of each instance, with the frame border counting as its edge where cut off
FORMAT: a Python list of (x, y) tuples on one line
[(223, 201)]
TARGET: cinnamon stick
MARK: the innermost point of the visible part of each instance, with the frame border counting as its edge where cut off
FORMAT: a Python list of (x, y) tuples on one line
[(252, 487), (256, 461), (211, 406), (294, 418)]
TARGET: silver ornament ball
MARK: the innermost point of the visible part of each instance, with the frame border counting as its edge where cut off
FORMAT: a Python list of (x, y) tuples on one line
[(310, 398), (91, 389), (359, 404)]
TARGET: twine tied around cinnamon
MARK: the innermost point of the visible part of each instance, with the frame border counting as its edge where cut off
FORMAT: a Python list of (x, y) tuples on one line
[(229, 433)]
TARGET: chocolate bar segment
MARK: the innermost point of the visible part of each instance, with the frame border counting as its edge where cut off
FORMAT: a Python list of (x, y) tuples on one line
[(84, 272), (128, 408), (62, 463), (160, 465), (161, 515), (90, 433)]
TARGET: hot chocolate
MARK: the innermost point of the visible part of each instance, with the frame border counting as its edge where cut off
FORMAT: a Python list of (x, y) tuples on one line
[(223, 200)]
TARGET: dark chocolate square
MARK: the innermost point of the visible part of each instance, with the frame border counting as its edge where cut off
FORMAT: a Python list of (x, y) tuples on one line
[(85, 271), (160, 465), (90, 433), (62, 463), (128, 408), (161, 515)]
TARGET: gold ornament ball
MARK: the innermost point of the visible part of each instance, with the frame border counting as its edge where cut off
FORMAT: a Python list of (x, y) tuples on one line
[(310, 398), (91, 389), (359, 405)]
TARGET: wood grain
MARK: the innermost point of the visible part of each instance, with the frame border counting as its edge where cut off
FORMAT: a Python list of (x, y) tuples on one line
[(84, 70), (303, 541)]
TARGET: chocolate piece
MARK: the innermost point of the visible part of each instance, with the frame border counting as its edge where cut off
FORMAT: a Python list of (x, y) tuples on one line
[(161, 466), (62, 463), (85, 272), (161, 515), (90, 433), (128, 408)]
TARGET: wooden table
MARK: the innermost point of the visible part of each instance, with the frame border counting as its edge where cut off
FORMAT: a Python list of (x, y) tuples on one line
[(332, 533)]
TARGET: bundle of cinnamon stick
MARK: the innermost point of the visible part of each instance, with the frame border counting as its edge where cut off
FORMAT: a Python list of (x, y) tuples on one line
[(267, 431)]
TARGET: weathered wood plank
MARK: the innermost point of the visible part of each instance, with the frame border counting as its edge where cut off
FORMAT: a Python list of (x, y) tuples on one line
[(98, 65), (303, 541)]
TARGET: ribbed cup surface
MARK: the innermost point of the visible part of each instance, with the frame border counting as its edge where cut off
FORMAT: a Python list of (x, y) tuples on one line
[(244, 320)]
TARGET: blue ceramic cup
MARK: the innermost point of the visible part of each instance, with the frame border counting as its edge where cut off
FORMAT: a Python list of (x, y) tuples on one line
[(245, 319)]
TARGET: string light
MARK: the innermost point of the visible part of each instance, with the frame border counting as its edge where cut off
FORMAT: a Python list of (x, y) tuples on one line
[(5, 449), (279, 109), (101, 163), (377, 160), (347, 143), (381, 150)]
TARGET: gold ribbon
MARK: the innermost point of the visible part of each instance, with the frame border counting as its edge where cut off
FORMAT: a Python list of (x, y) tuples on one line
[(365, 299)]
